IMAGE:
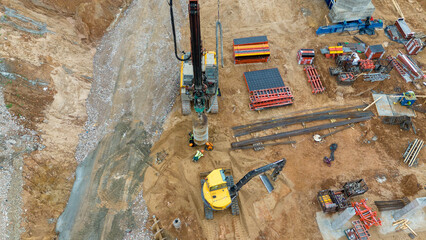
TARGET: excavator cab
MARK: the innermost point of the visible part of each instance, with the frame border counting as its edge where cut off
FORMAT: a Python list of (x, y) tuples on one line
[(215, 190)]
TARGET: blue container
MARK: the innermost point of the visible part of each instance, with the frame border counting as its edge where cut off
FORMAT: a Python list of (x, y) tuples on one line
[(330, 3)]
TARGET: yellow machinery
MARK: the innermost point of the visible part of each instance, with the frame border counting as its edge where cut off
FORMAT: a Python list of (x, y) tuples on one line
[(219, 191)]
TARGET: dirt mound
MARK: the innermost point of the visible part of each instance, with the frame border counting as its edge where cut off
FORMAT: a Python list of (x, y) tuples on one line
[(409, 185)]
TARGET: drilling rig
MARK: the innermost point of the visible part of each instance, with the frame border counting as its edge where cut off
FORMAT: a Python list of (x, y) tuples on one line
[(199, 77)]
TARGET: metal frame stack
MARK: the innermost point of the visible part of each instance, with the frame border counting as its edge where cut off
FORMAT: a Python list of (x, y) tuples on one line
[(305, 56), (412, 152), (367, 215), (267, 89), (251, 50), (407, 68), (414, 46), (374, 52), (314, 79), (403, 28)]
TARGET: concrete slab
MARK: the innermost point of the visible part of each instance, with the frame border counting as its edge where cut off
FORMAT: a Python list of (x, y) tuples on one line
[(329, 225), (386, 108), (417, 219)]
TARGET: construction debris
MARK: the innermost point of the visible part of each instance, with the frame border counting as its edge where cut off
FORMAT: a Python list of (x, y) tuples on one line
[(412, 152)]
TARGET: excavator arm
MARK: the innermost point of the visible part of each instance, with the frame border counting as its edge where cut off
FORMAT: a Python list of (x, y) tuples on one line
[(277, 166)]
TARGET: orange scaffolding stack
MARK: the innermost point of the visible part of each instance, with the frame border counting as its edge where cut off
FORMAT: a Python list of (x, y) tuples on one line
[(368, 217), (314, 79), (251, 50)]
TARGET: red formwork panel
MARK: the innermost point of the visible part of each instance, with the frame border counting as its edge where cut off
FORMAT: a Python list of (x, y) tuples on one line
[(367, 216), (273, 97), (267, 89), (414, 46), (314, 79)]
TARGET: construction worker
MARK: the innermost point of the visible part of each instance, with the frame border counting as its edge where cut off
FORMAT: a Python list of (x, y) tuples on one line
[(208, 146), (198, 155), (191, 140)]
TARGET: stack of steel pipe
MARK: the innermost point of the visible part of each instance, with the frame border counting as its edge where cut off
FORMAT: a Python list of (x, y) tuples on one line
[(353, 116)]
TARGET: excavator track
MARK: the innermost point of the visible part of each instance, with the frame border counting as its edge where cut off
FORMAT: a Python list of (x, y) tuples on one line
[(186, 107), (214, 106), (208, 212), (235, 208)]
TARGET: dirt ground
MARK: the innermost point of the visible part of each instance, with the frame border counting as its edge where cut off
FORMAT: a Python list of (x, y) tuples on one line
[(172, 188)]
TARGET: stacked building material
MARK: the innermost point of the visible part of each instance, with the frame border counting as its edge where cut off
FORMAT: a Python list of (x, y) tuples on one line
[(392, 204), (251, 50), (414, 46), (350, 10), (412, 152), (374, 52), (403, 28), (305, 56), (314, 79), (366, 65), (354, 47), (411, 66), (267, 89), (334, 51), (375, 77)]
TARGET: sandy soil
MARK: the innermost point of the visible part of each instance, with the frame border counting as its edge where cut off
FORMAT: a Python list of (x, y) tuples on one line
[(172, 188)]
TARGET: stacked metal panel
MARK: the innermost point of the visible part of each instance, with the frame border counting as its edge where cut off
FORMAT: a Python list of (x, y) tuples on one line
[(403, 28), (314, 79), (251, 50), (305, 56), (414, 46), (267, 89), (374, 52)]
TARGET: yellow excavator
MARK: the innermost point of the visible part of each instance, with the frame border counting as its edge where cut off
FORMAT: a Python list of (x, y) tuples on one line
[(219, 191)]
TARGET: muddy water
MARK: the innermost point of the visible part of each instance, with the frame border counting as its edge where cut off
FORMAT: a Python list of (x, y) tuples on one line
[(135, 84)]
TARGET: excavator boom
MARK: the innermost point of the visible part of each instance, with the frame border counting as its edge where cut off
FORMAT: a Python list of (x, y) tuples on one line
[(277, 166)]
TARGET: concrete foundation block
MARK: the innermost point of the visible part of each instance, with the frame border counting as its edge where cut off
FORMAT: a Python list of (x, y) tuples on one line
[(350, 12), (417, 204), (332, 225)]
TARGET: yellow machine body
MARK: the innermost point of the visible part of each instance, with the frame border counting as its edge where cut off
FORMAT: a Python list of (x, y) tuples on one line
[(215, 190)]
